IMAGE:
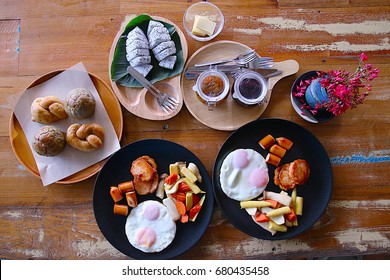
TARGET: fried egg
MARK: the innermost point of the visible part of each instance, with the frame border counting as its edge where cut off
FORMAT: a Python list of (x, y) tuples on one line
[(150, 227), (244, 174)]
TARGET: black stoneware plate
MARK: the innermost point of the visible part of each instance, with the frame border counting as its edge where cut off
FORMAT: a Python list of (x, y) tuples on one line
[(316, 192), (117, 170)]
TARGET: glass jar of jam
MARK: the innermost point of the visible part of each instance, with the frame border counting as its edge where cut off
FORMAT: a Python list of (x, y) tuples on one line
[(250, 88), (212, 86)]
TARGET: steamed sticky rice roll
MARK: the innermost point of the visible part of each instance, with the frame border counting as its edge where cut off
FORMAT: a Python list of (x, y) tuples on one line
[(164, 45), (168, 62), (143, 69), (158, 30), (132, 45), (137, 33), (157, 38), (140, 60), (165, 53), (153, 24), (136, 53)]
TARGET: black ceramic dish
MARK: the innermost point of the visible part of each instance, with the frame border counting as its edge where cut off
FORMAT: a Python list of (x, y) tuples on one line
[(316, 192), (117, 170), (321, 116)]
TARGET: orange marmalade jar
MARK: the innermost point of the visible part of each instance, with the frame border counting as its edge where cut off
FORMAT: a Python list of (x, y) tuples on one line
[(212, 86)]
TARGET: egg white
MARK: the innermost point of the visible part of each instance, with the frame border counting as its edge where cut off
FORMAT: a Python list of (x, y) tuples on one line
[(164, 226), (235, 182)]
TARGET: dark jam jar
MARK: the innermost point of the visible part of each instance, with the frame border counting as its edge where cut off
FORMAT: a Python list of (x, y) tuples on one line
[(212, 86), (250, 88)]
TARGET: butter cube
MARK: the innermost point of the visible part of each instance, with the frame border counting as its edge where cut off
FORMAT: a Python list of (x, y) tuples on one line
[(203, 25), (198, 32)]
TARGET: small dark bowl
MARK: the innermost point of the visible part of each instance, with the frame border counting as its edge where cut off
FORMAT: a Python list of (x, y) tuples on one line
[(321, 116)]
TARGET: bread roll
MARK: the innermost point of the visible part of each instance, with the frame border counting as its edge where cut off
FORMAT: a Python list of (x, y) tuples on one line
[(80, 103), (47, 110), (49, 141), (86, 137)]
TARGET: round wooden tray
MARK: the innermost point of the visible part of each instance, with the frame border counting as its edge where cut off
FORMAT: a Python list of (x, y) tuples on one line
[(229, 115), (22, 149), (136, 100)]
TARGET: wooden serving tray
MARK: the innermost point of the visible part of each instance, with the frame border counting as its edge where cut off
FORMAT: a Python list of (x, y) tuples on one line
[(22, 149), (228, 115), (137, 100)]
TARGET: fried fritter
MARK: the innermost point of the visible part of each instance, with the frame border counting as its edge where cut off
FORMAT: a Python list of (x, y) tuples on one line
[(142, 170), (289, 175), (149, 160), (299, 171), (142, 187), (276, 175), (286, 182)]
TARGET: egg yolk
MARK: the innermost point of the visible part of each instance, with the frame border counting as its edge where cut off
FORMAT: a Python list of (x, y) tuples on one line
[(240, 159), (146, 237), (259, 177), (151, 213)]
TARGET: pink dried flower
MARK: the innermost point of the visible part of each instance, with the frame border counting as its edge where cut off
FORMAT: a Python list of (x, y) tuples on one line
[(342, 87)]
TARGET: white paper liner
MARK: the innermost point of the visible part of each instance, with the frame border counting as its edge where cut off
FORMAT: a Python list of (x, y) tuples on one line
[(69, 161)]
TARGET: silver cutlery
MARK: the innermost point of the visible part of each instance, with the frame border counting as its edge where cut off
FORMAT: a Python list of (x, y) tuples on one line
[(230, 70), (260, 62), (164, 100), (240, 59), (268, 73)]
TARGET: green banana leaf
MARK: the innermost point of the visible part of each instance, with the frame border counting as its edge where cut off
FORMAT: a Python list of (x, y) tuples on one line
[(119, 63)]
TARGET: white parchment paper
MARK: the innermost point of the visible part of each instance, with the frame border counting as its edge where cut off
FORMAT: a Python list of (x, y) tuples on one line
[(70, 161)]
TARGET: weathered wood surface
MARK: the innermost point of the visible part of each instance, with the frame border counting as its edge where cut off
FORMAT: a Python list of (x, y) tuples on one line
[(57, 222)]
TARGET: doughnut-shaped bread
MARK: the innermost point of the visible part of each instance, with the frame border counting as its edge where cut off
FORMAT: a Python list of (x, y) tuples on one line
[(47, 110), (80, 103), (86, 137)]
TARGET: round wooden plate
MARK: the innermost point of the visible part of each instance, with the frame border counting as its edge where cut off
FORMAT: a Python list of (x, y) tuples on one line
[(228, 115), (22, 149), (136, 100)]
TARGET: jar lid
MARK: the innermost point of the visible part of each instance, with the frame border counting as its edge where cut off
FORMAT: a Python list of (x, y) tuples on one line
[(212, 85), (250, 87)]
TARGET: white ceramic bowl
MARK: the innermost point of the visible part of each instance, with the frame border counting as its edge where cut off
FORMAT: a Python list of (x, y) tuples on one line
[(205, 9)]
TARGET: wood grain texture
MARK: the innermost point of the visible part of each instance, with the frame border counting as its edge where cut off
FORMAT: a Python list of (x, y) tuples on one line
[(9, 47), (57, 222), (332, 3)]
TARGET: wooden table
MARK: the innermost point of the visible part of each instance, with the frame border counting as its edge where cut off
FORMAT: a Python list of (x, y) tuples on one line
[(57, 222)]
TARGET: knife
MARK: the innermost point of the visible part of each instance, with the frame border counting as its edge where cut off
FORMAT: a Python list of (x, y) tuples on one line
[(268, 73)]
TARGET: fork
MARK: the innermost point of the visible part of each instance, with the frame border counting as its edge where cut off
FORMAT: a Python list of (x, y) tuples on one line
[(240, 59), (164, 100), (260, 62)]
